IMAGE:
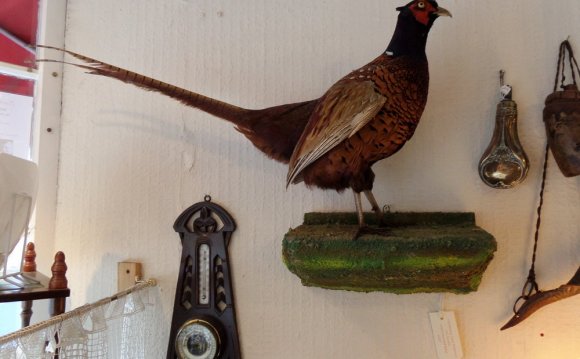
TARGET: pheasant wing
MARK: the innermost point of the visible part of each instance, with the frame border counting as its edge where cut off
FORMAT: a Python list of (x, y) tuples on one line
[(345, 108)]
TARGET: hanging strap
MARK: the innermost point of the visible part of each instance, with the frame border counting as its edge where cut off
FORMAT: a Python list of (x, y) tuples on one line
[(531, 285), (561, 68)]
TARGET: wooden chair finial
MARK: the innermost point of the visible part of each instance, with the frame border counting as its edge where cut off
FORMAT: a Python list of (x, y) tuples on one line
[(58, 279), (29, 259)]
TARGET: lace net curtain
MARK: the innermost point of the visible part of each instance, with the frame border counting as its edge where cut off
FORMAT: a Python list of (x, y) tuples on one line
[(123, 326)]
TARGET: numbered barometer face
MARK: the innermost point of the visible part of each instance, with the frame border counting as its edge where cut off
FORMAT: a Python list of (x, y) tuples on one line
[(197, 339)]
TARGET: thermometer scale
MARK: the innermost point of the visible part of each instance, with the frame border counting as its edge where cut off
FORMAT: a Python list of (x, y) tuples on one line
[(204, 273)]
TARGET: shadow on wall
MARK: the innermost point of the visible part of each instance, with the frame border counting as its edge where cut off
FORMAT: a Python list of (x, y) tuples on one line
[(104, 276), (181, 132)]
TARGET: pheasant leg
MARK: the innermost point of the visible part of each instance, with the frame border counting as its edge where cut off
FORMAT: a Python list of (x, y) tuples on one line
[(363, 228), (359, 210), (375, 206)]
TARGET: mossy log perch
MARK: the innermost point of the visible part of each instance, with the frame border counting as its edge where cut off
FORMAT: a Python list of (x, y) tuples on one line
[(422, 252)]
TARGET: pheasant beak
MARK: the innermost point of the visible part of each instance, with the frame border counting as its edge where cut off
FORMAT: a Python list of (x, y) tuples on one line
[(442, 12)]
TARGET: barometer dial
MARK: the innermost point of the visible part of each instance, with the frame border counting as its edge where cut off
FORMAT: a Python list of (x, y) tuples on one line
[(197, 339)]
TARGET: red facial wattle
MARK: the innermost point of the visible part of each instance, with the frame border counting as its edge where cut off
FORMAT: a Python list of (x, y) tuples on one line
[(422, 14)]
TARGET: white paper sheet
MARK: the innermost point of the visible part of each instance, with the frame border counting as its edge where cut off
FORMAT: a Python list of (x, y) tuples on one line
[(446, 335), (18, 186)]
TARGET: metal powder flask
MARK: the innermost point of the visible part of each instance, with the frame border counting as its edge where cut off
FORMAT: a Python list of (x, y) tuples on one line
[(504, 163)]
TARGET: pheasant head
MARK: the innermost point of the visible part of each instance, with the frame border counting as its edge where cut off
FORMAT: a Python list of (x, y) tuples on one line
[(413, 25), (424, 11)]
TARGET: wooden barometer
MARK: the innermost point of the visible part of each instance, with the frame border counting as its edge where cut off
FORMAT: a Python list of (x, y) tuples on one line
[(204, 318)]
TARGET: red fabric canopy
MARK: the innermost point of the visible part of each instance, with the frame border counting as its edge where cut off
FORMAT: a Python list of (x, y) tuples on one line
[(19, 22)]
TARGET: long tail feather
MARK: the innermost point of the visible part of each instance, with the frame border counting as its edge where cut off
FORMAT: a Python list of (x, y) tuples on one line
[(215, 107)]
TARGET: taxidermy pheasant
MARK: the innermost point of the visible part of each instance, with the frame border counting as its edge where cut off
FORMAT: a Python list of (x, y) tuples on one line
[(332, 142)]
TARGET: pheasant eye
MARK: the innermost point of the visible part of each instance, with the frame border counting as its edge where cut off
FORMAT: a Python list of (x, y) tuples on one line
[(421, 5)]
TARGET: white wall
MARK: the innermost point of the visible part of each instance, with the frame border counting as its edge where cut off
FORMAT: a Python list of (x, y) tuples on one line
[(131, 161)]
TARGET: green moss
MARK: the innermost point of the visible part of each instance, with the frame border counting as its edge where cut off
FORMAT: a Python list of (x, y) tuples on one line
[(419, 256), (341, 263), (423, 263)]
